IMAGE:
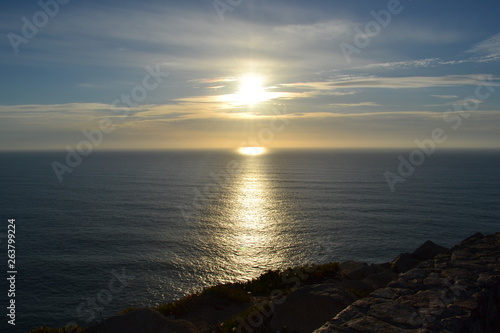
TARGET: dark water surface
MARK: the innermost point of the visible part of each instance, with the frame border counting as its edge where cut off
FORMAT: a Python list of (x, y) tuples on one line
[(180, 220)]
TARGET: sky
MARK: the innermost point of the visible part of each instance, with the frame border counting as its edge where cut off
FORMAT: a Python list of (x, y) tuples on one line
[(231, 73)]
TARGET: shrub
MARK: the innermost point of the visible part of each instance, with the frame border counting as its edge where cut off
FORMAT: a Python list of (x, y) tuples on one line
[(233, 292)]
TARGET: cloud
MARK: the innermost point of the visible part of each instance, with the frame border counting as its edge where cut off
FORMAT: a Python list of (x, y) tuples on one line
[(69, 110), (414, 82), (425, 35), (460, 104), (319, 85), (85, 115), (489, 47), (196, 125), (410, 82), (214, 80), (323, 30), (353, 104), (485, 51), (445, 96), (296, 49), (184, 41), (422, 63)]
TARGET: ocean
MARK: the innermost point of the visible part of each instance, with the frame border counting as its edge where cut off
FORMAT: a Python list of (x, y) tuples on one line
[(129, 228)]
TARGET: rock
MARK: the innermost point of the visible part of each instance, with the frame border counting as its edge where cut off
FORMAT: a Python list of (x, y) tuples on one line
[(428, 250), (416, 274), (142, 320), (388, 293), (454, 292), (309, 307), (354, 270), (404, 262), (391, 312), (370, 324), (470, 239), (380, 280), (356, 287), (378, 268)]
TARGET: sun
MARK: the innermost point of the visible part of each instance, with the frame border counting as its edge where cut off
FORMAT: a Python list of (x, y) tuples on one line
[(252, 150), (251, 90)]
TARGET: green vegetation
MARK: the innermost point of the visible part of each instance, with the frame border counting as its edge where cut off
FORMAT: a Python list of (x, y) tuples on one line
[(240, 293), (233, 293), (230, 292), (178, 307), (291, 277), (265, 283), (285, 280), (263, 286), (228, 325)]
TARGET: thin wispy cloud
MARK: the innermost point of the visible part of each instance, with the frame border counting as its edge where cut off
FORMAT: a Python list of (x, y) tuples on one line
[(489, 47), (445, 96), (323, 30), (350, 105), (458, 104), (431, 62), (410, 82)]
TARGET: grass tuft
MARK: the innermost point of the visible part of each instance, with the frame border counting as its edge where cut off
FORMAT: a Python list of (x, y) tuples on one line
[(277, 279), (231, 324), (231, 292)]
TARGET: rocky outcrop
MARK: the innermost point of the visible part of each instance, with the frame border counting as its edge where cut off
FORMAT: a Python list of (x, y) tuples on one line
[(142, 321), (456, 291), (428, 250), (406, 261)]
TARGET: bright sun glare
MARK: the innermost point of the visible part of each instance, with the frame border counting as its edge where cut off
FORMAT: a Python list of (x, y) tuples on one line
[(252, 150), (251, 90)]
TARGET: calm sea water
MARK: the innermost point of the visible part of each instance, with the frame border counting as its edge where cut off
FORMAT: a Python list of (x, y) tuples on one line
[(179, 221)]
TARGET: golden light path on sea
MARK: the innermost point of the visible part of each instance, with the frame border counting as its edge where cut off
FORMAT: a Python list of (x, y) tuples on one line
[(254, 215), (246, 228)]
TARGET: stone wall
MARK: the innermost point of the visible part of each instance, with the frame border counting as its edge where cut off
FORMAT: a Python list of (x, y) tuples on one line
[(458, 291)]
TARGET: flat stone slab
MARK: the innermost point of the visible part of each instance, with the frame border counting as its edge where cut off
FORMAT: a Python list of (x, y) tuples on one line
[(456, 291)]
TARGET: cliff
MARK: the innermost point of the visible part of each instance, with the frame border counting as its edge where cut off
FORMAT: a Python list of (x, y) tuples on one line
[(457, 291), (432, 289)]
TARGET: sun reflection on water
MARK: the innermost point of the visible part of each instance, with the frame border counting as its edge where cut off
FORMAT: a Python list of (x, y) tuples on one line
[(248, 227), (252, 150), (254, 217)]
